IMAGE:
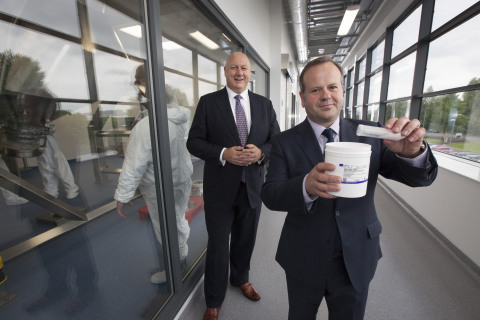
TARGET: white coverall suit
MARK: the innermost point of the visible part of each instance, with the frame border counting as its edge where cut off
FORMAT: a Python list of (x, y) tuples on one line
[(137, 171), (54, 167)]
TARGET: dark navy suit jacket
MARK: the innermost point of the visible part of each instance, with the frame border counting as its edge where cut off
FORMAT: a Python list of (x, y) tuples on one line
[(306, 245), (213, 128)]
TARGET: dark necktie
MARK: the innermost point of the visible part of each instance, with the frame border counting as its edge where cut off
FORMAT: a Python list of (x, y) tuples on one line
[(329, 134), (241, 126)]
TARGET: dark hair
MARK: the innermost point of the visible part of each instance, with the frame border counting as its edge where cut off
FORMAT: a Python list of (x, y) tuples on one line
[(314, 62)]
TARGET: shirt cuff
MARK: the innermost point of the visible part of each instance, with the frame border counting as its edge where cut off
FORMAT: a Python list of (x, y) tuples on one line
[(420, 161), (307, 198), (221, 155)]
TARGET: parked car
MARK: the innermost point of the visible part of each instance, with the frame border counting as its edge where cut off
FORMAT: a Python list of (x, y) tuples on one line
[(442, 148)]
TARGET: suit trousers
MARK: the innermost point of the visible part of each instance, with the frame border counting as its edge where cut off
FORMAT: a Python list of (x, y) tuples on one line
[(343, 301), (239, 223)]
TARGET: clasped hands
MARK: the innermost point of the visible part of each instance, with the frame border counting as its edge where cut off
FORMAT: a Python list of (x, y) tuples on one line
[(318, 183), (240, 156)]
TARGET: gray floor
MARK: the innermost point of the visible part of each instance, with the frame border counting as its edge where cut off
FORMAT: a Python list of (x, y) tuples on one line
[(418, 277)]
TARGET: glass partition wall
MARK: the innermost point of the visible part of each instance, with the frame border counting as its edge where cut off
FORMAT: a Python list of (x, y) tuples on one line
[(79, 79)]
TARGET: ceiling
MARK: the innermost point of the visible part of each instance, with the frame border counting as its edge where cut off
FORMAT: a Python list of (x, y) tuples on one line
[(323, 18)]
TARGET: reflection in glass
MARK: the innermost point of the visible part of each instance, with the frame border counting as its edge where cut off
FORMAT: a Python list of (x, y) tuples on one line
[(377, 56), (375, 88), (401, 77), (372, 112), (59, 15), (445, 10), (114, 77), (458, 49), (184, 86), (406, 34), (207, 69), (397, 109), (115, 30), (56, 57), (453, 123), (177, 57), (205, 87)]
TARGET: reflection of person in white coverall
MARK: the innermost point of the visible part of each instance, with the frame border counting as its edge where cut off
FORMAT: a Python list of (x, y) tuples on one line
[(137, 171), (53, 167), (11, 198)]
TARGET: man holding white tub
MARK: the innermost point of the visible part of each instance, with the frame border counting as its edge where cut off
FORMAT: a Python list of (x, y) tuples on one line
[(329, 246)]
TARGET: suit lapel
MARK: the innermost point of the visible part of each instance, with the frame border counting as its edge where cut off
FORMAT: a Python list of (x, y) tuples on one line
[(254, 116), (225, 110), (308, 142), (347, 131)]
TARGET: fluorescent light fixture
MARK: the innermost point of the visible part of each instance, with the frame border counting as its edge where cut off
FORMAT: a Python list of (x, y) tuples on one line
[(170, 45), (135, 31), (200, 37), (348, 19)]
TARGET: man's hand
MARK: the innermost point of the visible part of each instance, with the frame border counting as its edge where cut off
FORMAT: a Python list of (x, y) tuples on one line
[(121, 208), (318, 182), (413, 133), (236, 156), (254, 154)]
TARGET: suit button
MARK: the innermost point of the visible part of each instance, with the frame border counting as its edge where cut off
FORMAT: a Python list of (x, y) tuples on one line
[(337, 213)]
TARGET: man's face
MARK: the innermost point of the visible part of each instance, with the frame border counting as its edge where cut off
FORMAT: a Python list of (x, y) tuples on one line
[(323, 96), (237, 72)]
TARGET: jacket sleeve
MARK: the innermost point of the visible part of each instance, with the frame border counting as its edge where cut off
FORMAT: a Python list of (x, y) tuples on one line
[(198, 142), (138, 157)]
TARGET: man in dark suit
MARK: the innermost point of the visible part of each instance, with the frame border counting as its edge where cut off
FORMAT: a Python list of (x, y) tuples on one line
[(231, 132), (329, 247)]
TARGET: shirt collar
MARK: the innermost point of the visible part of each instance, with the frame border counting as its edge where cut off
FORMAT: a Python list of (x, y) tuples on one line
[(232, 94), (318, 128)]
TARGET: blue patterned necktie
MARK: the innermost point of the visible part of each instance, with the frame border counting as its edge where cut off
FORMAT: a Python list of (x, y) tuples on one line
[(329, 134), (241, 126), (241, 121)]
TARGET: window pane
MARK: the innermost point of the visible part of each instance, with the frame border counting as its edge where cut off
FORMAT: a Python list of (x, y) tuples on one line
[(406, 33), (375, 88), (445, 10), (115, 30), (207, 69), (372, 112), (377, 56), (458, 50), (361, 70), (350, 99), (55, 58), (45, 13), (183, 88), (258, 79), (177, 57), (397, 109), (360, 91), (205, 87), (401, 77), (358, 112), (88, 114), (453, 124), (115, 77)]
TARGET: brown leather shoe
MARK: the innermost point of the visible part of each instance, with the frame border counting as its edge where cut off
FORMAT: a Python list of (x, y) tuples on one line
[(249, 291), (211, 314)]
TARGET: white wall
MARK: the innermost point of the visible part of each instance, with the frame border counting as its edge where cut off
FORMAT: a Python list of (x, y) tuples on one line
[(452, 203)]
